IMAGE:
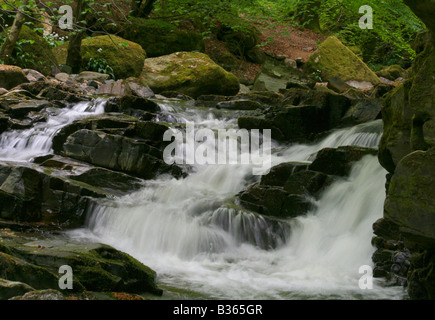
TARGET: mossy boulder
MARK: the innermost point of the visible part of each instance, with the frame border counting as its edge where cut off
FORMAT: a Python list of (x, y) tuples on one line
[(159, 37), (11, 76), (190, 73), (334, 59), (410, 201), (34, 51), (126, 58)]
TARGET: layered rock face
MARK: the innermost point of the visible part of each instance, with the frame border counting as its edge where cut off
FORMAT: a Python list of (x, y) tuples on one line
[(407, 151)]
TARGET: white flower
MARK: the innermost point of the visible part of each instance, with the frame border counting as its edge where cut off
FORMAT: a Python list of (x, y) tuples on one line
[(99, 50)]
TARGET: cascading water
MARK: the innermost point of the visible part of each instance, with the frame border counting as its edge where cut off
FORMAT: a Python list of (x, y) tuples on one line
[(22, 145), (199, 241), (193, 235)]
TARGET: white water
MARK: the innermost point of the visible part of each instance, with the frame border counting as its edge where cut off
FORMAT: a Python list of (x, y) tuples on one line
[(201, 246), (184, 230), (23, 145)]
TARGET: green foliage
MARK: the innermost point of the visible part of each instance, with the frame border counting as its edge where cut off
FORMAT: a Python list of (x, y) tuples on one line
[(389, 42), (100, 65)]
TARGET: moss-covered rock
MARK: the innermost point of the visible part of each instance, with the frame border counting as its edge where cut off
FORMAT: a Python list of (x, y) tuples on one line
[(126, 58), (11, 76), (334, 59), (35, 52), (159, 37), (190, 73), (410, 202), (392, 72)]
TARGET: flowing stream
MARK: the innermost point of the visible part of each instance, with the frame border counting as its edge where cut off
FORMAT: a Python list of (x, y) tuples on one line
[(203, 245)]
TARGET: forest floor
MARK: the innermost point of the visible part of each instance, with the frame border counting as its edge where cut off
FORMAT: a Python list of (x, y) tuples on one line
[(276, 39)]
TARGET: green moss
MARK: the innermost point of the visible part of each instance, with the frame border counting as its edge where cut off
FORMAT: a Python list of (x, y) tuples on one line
[(334, 59), (33, 52), (193, 74), (126, 58)]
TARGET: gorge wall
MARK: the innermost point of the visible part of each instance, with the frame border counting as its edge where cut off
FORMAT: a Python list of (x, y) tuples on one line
[(406, 234)]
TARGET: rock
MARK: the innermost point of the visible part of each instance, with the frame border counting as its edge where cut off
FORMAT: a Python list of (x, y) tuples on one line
[(96, 267), (410, 200), (338, 85), (18, 270), (333, 59), (90, 75), (339, 161), (64, 77), (160, 37), (196, 75), (256, 55), (392, 72), (17, 104), (276, 75), (11, 76), (301, 115), (117, 88), (363, 111), (273, 201), (107, 121), (239, 105), (124, 57), (138, 89), (30, 195), (116, 153), (279, 174), (3, 91), (4, 122), (33, 75), (9, 289), (225, 59), (244, 89), (48, 294)]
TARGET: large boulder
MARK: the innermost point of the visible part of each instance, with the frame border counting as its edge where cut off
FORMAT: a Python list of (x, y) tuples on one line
[(159, 37), (11, 76), (126, 58), (190, 73), (333, 59)]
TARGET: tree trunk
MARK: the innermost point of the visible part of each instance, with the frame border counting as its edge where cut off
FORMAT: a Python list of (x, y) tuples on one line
[(74, 57), (141, 9), (12, 37)]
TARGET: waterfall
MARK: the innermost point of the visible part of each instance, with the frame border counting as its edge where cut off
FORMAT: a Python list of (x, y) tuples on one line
[(190, 234), (23, 145)]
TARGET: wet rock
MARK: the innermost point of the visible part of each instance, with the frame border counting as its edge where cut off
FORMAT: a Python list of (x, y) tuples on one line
[(339, 161), (9, 289), (239, 105), (117, 153), (96, 267), (363, 111)]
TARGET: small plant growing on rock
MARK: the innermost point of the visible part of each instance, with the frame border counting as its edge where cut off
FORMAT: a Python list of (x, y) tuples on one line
[(100, 65)]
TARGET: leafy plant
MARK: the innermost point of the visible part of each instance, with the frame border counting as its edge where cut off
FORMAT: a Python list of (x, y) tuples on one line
[(100, 65)]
